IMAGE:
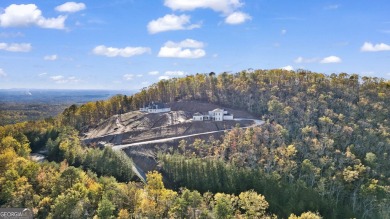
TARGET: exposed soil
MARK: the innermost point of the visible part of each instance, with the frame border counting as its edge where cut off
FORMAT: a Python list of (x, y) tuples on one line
[(138, 126)]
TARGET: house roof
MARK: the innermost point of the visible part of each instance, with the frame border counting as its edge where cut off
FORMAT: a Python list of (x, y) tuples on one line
[(198, 114), (218, 110)]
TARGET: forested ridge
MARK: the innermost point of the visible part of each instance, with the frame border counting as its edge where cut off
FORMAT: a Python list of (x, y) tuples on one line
[(324, 148)]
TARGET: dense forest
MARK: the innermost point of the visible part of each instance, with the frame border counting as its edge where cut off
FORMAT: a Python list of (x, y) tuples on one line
[(11, 113), (323, 151)]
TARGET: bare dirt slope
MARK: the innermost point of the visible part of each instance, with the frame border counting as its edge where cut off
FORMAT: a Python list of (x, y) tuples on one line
[(137, 126), (203, 107)]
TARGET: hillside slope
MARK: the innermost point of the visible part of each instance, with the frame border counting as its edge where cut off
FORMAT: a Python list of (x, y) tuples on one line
[(136, 126)]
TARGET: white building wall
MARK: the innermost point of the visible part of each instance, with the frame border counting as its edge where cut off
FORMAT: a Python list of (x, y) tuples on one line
[(163, 110), (197, 118), (228, 117), (218, 116)]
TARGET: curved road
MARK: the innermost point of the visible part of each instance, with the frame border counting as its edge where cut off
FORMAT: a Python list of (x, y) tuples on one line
[(120, 147)]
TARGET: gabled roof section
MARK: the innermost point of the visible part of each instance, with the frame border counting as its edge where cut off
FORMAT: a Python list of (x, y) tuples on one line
[(218, 110)]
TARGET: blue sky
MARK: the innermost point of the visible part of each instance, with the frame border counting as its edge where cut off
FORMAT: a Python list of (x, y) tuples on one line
[(130, 44)]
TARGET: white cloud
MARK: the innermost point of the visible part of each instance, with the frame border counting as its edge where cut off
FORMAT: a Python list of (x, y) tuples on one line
[(164, 77), (73, 79), (225, 6), (171, 22), (188, 43), (59, 79), (175, 73), (154, 73), (178, 52), (71, 7), (42, 74), (24, 15), (128, 77), (330, 59), (237, 18), (2, 73), (283, 32), (369, 47), (331, 7), (300, 59), (189, 48), (11, 35), (288, 68), (50, 57), (16, 47), (124, 52), (140, 75)]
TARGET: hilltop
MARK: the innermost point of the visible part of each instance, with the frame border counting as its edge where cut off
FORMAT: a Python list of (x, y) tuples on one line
[(136, 126)]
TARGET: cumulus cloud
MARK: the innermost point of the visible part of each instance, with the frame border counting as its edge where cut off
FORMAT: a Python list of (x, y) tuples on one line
[(24, 15), (225, 6), (237, 18), (60, 79), (128, 77), (164, 77), (16, 47), (71, 7), (330, 59), (300, 59), (154, 73), (2, 73), (189, 48), (171, 22), (288, 68), (369, 47), (174, 73), (190, 43), (124, 52), (50, 57)]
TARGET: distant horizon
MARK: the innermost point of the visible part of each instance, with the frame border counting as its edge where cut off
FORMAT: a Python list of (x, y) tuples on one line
[(139, 89), (66, 89)]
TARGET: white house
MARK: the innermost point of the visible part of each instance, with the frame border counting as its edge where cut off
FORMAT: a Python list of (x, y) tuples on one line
[(155, 108), (197, 117), (216, 114)]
